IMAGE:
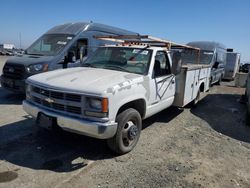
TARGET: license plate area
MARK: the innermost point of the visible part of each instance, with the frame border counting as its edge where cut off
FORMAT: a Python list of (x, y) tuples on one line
[(45, 121)]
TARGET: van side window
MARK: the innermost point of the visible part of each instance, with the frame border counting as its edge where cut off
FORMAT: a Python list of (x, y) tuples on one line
[(162, 64), (77, 46)]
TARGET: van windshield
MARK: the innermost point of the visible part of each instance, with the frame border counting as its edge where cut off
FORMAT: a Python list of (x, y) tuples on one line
[(205, 57), (133, 60), (49, 44)]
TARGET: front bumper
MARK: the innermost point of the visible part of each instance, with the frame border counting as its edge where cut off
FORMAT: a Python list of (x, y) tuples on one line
[(85, 127), (13, 85)]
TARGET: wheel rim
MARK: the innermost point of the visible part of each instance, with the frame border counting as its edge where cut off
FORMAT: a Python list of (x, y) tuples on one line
[(129, 133)]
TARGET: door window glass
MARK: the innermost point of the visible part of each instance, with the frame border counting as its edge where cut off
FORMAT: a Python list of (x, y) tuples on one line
[(76, 47), (162, 65)]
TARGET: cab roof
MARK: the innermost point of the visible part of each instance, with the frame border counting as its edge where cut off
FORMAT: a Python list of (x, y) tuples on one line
[(76, 28)]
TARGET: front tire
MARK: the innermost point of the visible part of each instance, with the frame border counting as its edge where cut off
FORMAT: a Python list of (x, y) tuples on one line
[(128, 131)]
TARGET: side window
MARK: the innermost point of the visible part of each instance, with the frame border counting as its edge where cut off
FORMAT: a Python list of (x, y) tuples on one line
[(77, 46), (42, 46), (162, 64)]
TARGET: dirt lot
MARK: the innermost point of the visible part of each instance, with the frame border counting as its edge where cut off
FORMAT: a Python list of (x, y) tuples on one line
[(208, 146)]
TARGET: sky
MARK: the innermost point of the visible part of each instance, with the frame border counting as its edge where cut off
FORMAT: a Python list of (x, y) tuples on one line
[(182, 21)]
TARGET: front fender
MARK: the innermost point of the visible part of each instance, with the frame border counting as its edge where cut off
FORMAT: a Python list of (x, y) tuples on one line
[(125, 96)]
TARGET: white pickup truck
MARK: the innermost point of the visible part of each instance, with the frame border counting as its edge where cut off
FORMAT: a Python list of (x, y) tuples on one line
[(118, 87)]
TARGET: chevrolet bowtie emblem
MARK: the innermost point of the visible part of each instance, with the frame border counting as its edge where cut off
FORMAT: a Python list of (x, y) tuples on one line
[(49, 100)]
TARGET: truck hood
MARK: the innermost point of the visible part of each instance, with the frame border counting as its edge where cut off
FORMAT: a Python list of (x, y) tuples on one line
[(86, 80), (27, 60)]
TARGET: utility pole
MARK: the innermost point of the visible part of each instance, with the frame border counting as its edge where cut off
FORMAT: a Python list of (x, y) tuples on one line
[(20, 40)]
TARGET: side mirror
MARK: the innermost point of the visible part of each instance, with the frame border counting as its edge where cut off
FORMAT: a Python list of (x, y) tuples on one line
[(216, 65), (69, 58), (176, 63), (82, 53)]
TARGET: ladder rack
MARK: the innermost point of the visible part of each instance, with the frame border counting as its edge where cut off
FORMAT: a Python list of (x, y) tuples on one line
[(146, 40)]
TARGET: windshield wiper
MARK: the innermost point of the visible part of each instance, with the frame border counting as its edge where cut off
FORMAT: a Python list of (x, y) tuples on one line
[(112, 67)]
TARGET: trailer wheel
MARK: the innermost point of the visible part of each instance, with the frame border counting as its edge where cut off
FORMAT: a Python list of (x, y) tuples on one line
[(128, 132)]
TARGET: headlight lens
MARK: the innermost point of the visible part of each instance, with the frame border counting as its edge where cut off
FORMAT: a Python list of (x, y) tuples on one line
[(97, 107), (95, 104), (37, 68)]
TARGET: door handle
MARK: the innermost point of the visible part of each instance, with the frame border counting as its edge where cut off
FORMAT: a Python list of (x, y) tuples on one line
[(172, 81)]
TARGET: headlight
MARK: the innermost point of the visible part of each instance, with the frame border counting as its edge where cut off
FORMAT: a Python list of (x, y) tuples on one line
[(37, 68), (95, 104), (97, 107)]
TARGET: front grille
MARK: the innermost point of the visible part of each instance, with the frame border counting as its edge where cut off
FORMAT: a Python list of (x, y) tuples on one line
[(14, 71), (74, 109), (8, 86), (56, 100)]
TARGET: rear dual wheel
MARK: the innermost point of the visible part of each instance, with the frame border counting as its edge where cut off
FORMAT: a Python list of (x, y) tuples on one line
[(128, 131), (197, 99), (219, 81)]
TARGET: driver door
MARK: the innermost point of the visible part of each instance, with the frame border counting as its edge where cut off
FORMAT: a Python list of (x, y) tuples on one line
[(163, 81)]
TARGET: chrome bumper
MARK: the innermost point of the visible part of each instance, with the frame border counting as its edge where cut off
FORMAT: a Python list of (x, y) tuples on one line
[(71, 124)]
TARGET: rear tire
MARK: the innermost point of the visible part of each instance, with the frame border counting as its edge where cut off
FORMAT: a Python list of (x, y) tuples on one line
[(219, 81), (210, 82), (128, 131), (197, 99)]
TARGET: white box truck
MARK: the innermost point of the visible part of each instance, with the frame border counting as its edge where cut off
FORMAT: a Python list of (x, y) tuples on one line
[(232, 65), (115, 89)]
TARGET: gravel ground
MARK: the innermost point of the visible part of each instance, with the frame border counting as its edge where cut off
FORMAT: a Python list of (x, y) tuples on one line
[(207, 146)]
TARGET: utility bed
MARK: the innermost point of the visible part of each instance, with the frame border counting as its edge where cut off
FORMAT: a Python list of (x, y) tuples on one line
[(188, 83)]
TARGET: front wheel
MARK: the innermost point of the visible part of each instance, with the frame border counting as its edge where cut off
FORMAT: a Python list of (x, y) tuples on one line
[(128, 131)]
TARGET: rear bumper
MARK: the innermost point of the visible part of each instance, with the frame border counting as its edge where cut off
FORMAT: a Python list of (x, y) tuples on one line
[(89, 128), (13, 85)]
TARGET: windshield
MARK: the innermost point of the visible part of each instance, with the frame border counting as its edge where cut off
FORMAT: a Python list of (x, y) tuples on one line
[(191, 57), (133, 60), (49, 45)]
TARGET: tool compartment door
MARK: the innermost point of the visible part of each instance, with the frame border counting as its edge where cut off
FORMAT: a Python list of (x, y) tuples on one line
[(196, 83), (189, 86), (203, 73)]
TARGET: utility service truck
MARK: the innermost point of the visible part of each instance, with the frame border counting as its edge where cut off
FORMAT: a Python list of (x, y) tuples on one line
[(116, 88)]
